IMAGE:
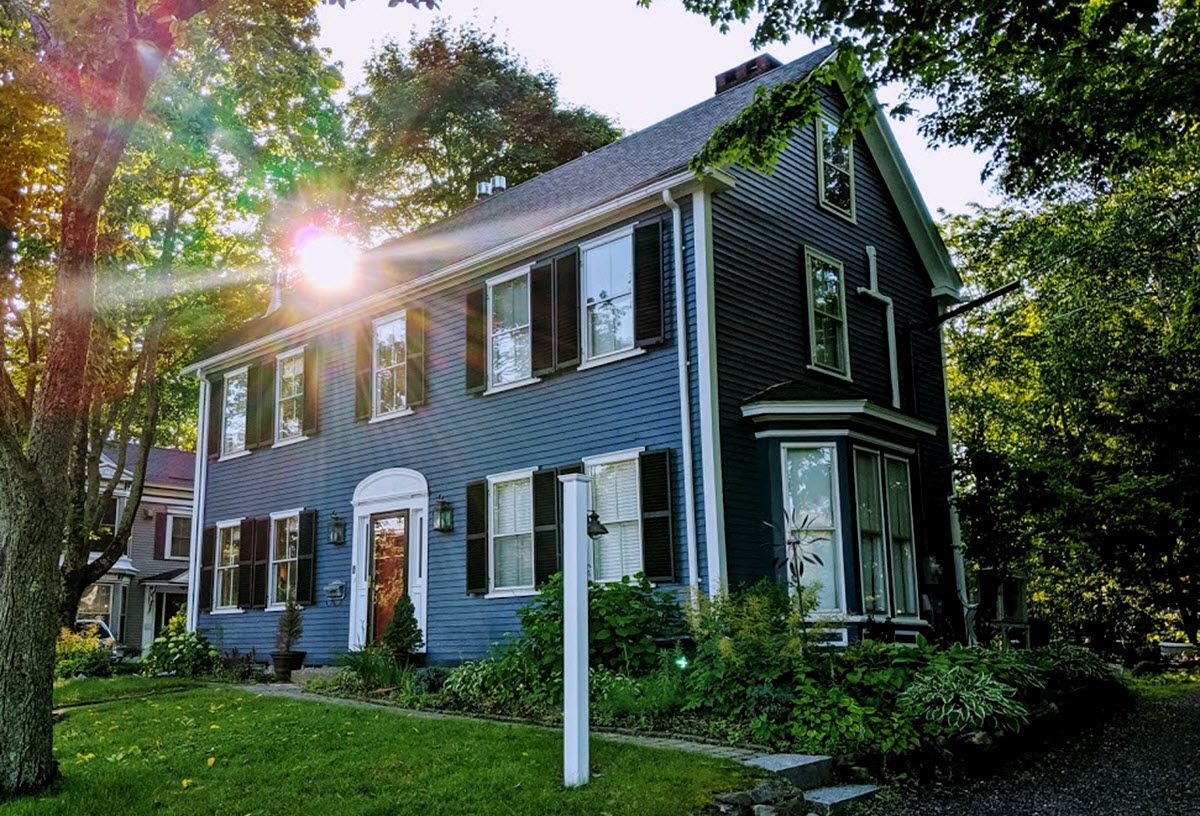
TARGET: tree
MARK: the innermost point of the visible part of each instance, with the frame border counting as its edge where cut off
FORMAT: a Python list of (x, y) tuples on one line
[(88, 67), (453, 108), (1074, 405), (1064, 94)]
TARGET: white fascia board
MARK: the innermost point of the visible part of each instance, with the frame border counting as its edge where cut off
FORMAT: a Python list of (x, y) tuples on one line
[(834, 409)]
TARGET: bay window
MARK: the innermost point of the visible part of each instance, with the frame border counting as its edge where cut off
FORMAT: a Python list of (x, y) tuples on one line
[(812, 535)]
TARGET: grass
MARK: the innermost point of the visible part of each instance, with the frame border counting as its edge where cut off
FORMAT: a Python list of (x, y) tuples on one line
[(218, 751), (1167, 685), (98, 689)]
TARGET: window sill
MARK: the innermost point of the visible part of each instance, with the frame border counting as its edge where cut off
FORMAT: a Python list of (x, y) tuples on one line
[(838, 211), (512, 593), (283, 443), (496, 389), (176, 558), (393, 415), (829, 372), (225, 457), (615, 357), (231, 610)]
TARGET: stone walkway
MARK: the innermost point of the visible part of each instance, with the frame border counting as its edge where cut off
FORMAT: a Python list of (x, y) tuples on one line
[(294, 692)]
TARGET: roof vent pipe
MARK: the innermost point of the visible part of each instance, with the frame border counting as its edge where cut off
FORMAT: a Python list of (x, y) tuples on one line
[(499, 184)]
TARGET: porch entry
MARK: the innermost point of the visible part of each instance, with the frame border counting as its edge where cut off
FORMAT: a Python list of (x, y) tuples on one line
[(389, 563), (390, 551)]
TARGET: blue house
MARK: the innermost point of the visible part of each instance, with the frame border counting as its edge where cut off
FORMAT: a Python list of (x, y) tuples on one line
[(748, 366)]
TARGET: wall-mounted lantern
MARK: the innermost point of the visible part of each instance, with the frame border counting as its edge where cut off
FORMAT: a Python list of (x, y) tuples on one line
[(595, 527), (443, 516), (335, 591), (337, 530)]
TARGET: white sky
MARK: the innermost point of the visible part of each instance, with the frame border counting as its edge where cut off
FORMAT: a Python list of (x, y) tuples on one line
[(604, 53)]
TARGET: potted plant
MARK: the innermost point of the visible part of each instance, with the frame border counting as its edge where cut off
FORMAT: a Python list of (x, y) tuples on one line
[(285, 660)]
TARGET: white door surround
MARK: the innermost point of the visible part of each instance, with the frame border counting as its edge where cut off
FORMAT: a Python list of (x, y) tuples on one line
[(382, 492)]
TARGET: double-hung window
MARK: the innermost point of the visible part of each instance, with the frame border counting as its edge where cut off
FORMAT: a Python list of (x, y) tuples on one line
[(811, 531), (289, 396), (179, 536), (390, 365), (233, 415), (225, 583), (509, 342), (885, 534), (828, 339), (835, 169), (511, 531), (608, 295), (616, 498), (285, 549)]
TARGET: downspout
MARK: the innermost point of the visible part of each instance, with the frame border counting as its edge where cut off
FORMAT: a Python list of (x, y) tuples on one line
[(198, 489), (960, 569), (685, 396)]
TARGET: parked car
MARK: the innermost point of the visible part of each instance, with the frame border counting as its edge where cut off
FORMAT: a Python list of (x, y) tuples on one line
[(117, 650)]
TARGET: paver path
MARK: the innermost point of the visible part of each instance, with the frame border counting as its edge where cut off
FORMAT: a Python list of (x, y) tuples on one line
[(1144, 762)]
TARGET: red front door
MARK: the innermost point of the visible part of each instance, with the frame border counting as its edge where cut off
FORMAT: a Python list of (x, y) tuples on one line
[(389, 562)]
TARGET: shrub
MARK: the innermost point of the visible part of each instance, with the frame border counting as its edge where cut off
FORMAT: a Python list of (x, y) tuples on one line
[(290, 627), (180, 652), (374, 668), (954, 700), (511, 681), (1066, 664), (650, 701), (81, 654), (402, 637)]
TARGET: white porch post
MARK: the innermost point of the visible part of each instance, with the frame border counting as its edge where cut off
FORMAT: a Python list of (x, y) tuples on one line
[(575, 629)]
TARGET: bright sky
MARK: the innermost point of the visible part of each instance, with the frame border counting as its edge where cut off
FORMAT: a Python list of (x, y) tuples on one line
[(605, 53)]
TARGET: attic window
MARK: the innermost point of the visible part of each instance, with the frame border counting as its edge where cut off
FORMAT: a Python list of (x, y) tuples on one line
[(835, 169)]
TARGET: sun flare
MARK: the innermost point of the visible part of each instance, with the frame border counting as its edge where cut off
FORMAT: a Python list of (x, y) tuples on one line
[(326, 260)]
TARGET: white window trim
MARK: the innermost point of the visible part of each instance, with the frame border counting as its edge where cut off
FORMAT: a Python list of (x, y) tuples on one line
[(399, 412), (518, 591), (811, 254), (852, 215), (881, 483), (272, 604), (587, 359), (628, 455), (912, 526), (492, 283), (217, 609), (242, 451), (171, 516), (279, 441), (836, 512)]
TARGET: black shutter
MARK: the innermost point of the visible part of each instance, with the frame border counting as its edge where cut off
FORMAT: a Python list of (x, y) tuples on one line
[(414, 323), (306, 561), (476, 355), (160, 536), (566, 310), (216, 400), (312, 389), (541, 319), (477, 538), (547, 546), (364, 338), (252, 406), (647, 284), (245, 577), (262, 400), (261, 564), (208, 556), (658, 546)]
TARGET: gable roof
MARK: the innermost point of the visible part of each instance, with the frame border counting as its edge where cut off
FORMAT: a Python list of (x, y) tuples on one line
[(164, 466), (650, 155)]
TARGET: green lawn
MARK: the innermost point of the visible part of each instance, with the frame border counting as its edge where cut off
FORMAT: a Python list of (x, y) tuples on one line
[(219, 751), (94, 689)]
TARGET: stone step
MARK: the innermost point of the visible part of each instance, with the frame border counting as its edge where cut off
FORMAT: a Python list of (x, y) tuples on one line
[(802, 770), (836, 798)]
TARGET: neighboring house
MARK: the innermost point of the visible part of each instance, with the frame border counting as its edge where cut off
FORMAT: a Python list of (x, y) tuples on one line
[(148, 583), (721, 353)]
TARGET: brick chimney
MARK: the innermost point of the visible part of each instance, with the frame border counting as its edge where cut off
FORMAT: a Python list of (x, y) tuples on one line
[(746, 72)]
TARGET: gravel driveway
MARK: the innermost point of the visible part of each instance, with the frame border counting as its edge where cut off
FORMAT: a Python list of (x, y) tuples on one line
[(1145, 762)]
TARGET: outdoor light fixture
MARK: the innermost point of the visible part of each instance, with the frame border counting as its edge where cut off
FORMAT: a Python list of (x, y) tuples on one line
[(595, 527), (337, 530), (443, 516), (335, 591)]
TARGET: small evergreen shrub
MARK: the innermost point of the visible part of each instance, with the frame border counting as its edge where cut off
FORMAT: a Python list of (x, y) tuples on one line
[(180, 652), (289, 628), (402, 637), (81, 654)]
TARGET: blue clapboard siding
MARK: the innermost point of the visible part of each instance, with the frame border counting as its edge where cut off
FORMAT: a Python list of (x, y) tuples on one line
[(761, 227), (453, 439)]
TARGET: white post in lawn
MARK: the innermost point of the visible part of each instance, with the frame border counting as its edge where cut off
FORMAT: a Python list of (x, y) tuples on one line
[(575, 629)]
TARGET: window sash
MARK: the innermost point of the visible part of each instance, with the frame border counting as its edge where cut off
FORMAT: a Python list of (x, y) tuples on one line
[(616, 498), (225, 574), (829, 341), (234, 410), (289, 396), (810, 493), (872, 534), (509, 337), (173, 537), (902, 538), (607, 294), (285, 551), (510, 533), (96, 604), (389, 364), (836, 162)]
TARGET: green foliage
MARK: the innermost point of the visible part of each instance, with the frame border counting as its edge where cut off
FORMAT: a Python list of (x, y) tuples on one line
[(290, 626), (627, 620), (402, 636), (374, 668), (81, 654), (179, 652), (953, 700), (510, 682)]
